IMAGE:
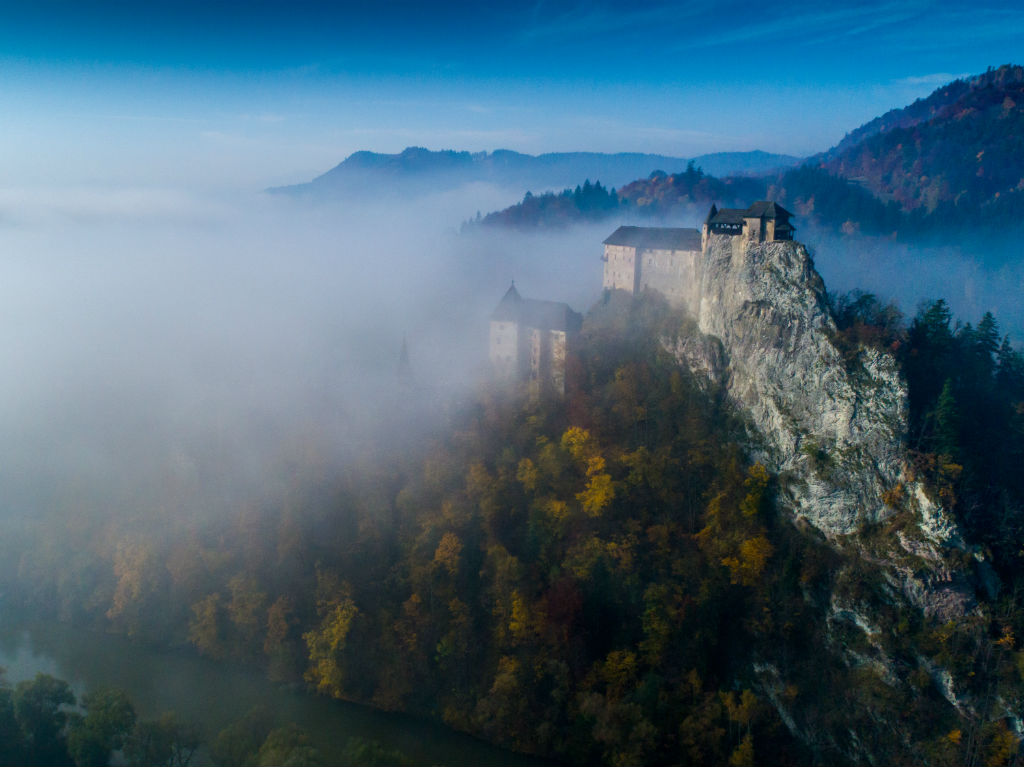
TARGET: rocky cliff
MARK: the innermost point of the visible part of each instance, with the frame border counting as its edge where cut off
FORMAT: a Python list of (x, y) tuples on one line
[(833, 430)]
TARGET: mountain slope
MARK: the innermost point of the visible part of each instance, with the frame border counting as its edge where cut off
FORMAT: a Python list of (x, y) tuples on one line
[(959, 150)]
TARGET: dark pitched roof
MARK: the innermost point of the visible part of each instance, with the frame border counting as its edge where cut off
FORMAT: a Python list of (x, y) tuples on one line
[(543, 315), (550, 315), (766, 209), (760, 209), (728, 216), (510, 306), (658, 238)]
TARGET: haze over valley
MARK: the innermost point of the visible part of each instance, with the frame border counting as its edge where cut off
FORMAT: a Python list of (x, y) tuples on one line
[(567, 383)]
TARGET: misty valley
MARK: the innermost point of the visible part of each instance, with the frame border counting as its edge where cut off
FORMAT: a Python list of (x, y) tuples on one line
[(720, 466)]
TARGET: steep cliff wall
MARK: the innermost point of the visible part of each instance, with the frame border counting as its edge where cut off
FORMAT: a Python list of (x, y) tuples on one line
[(836, 433), (833, 431)]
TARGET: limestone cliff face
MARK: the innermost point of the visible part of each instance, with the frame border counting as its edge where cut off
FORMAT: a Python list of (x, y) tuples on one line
[(836, 434), (834, 431)]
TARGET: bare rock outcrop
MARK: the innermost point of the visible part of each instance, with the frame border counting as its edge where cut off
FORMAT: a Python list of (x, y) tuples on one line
[(837, 434)]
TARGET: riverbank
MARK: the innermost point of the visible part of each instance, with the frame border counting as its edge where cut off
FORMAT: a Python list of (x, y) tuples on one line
[(212, 695)]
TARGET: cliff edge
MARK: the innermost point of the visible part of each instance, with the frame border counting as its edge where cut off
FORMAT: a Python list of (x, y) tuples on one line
[(833, 430), (836, 433)]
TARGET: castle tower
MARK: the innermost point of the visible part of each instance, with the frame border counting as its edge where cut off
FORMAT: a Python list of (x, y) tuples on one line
[(530, 341), (505, 338)]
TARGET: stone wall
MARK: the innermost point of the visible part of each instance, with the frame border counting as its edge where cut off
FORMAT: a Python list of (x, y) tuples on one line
[(505, 351), (620, 268), (673, 273)]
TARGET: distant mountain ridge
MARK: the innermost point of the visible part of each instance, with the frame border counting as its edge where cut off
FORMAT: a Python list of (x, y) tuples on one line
[(951, 162), (416, 169)]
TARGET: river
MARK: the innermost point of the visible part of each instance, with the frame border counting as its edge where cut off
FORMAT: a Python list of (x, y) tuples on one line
[(212, 694)]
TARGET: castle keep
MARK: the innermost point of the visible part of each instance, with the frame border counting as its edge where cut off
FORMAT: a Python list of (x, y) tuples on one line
[(530, 340), (668, 260)]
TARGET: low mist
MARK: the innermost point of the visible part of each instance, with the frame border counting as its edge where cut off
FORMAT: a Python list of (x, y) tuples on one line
[(164, 350), (975, 275), (167, 351)]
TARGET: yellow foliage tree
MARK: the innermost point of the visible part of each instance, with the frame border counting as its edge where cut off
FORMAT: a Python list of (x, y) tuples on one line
[(577, 442), (743, 754), (526, 473), (754, 553), (447, 554), (618, 672), (519, 621), (598, 494), (325, 646), (756, 483), (247, 607), (280, 619), (134, 568)]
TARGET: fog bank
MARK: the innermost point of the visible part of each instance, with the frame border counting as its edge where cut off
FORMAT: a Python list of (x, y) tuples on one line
[(165, 348)]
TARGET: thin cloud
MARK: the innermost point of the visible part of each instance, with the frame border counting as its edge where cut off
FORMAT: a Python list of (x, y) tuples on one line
[(812, 27)]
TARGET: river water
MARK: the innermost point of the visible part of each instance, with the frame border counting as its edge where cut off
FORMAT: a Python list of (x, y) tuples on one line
[(212, 694)]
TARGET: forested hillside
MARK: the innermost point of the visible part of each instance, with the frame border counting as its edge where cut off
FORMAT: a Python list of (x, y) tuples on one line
[(947, 164), (821, 198), (602, 579), (952, 155)]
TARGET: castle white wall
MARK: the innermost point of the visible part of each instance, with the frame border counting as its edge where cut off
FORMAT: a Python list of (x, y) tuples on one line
[(531, 355), (673, 273), (620, 268), (505, 352), (558, 345)]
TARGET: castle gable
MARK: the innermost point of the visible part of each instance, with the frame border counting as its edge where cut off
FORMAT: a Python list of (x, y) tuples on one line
[(532, 313), (510, 307), (766, 209), (728, 216)]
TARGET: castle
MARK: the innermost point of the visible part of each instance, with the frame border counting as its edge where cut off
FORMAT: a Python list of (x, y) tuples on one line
[(530, 339), (637, 258)]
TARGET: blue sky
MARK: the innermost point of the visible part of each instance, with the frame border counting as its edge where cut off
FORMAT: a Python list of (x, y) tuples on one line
[(259, 93)]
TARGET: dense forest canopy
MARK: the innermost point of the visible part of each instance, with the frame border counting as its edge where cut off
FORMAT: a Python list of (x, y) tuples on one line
[(598, 579)]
